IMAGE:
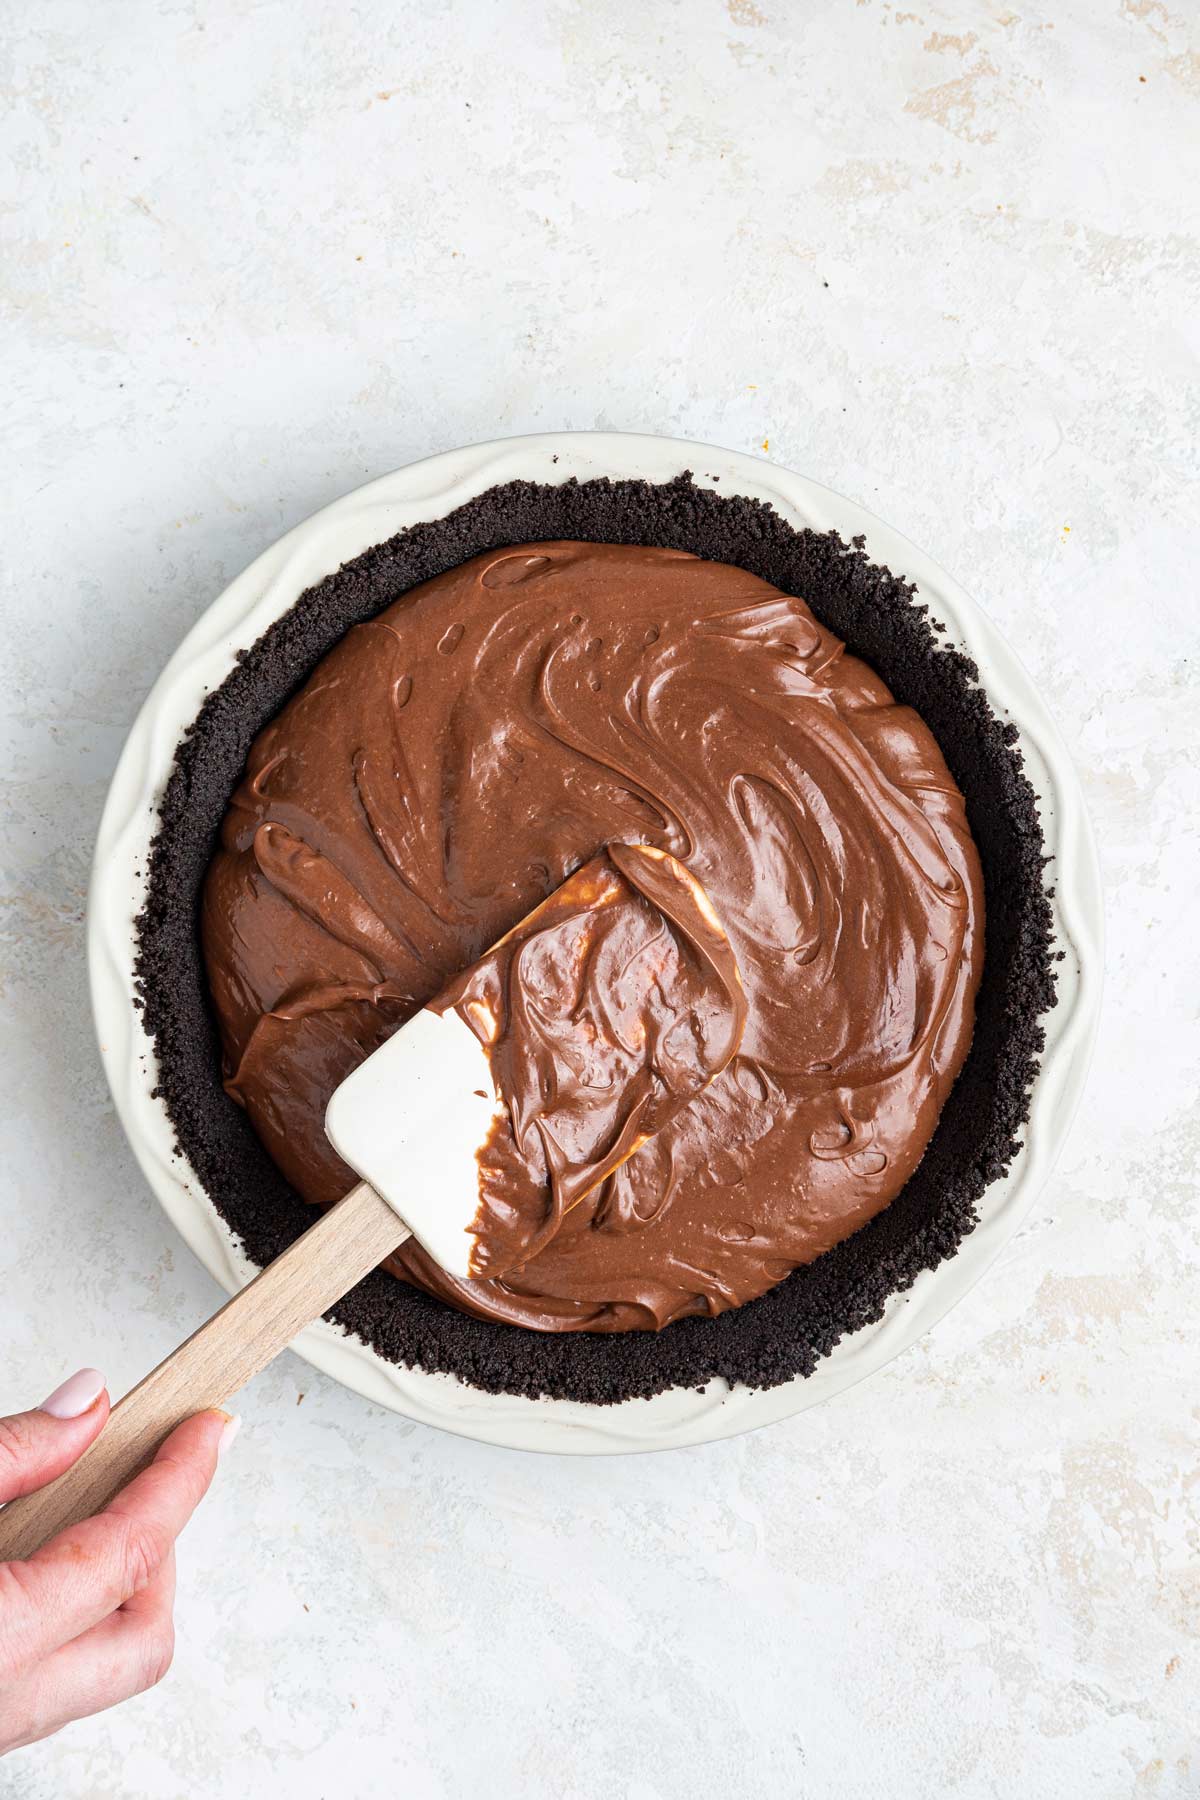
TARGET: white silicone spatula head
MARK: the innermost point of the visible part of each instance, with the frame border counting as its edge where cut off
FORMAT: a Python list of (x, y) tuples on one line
[(410, 1119), (574, 1046)]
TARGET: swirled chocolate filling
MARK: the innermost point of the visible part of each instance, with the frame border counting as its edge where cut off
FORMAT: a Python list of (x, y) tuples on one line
[(455, 758), (601, 1016)]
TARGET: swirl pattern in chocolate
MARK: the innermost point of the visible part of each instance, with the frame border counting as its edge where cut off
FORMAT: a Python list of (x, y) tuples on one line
[(450, 762), (602, 1015)]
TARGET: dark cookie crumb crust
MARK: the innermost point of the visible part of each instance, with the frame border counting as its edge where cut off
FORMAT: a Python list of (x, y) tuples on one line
[(786, 1332)]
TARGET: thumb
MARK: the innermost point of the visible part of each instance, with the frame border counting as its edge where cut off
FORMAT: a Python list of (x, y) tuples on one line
[(36, 1446)]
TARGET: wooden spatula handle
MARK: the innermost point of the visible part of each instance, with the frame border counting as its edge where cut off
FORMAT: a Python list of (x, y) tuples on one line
[(344, 1245)]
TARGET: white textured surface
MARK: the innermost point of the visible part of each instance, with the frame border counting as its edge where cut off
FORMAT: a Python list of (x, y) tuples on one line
[(976, 1574)]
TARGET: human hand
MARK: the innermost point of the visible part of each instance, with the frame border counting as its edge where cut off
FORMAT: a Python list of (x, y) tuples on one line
[(87, 1621)]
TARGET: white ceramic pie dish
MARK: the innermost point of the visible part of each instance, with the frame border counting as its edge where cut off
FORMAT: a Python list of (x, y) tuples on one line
[(429, 490)]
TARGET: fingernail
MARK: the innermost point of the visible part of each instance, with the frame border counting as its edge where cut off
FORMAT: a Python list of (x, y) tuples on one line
[(230, 1429), (76, 1394)]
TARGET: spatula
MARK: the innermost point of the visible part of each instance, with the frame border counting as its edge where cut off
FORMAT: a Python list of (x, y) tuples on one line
[(413, 1121)]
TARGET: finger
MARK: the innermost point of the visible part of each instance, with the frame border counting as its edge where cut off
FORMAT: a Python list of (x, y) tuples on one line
[(124, 1655), (37, 1446), (154, 1601), (90, 1569)]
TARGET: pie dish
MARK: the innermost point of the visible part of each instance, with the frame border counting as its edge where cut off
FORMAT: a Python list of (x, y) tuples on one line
[(265, 593)]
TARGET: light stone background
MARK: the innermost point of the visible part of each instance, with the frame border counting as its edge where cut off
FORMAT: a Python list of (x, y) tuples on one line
[(941, 256)]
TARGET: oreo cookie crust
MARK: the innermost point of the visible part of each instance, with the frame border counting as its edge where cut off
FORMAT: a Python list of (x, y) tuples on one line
[(787, 1331)]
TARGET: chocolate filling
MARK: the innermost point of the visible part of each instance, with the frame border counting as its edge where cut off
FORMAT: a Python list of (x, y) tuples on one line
[(766, 1341), (458, 755)]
